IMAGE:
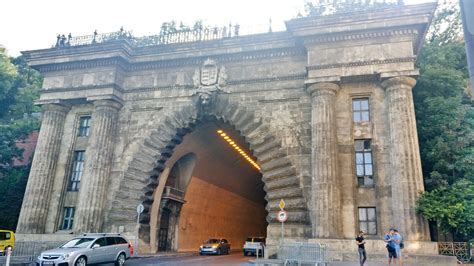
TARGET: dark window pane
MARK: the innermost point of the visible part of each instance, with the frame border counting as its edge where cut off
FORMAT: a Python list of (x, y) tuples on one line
[(110, 241), (367, 145)]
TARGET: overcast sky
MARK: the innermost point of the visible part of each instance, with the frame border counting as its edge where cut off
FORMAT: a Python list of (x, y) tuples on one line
[(34, 24)]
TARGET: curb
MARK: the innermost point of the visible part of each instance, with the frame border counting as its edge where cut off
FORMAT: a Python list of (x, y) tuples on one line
[(164, 256)]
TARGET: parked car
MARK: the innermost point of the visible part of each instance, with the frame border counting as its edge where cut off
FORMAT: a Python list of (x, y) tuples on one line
[(88, 249), (216, 246), (7, 239), (253, 245)]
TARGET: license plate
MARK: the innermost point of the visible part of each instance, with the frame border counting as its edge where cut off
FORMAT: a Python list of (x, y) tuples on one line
[(48, 262)]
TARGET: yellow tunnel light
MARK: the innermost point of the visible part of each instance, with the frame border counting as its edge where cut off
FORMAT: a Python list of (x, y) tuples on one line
[(237, 148)]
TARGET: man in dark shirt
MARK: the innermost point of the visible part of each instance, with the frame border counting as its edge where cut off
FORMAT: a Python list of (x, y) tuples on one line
[(360, 243)]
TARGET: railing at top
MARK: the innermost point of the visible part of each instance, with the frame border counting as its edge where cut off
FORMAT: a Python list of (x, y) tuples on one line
[(179, 36), (328, 7)]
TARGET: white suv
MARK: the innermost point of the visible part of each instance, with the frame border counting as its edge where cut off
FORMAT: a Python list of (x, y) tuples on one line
[(254, 246)]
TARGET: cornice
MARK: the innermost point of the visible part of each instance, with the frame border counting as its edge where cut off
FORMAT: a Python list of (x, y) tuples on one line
[(86, 64), (353, 36), (92, 87), (181, 62), (270, 79), (363, 63)]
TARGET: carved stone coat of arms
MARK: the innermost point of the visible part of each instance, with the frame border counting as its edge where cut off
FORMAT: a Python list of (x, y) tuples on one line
[(208, 80)]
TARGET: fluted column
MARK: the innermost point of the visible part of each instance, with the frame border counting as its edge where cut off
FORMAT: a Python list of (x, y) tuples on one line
[(405, 169), (40, 182), (325, 192), (93, 190)]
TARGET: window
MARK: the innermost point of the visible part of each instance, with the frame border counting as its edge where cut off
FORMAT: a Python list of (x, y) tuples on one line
[(84, 126), (101, 242), (364, 163), (68, 218), (368, 220), (360, 110), (77, 169), (5, 236)]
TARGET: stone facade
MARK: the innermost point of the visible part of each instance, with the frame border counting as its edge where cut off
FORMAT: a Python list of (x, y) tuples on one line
[(289, 94)]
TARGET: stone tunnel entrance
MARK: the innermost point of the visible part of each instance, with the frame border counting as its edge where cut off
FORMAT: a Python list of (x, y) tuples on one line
[(212, 188)]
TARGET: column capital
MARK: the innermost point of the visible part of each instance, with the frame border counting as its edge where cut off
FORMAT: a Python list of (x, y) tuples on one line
[(402, 82), (59, 107), (323, 87), (108, 103)]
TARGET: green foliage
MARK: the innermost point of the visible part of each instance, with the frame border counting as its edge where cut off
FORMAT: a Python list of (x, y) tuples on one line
[(452, 208), (445, 120), (8, 77), (19, 88), (322, 8)]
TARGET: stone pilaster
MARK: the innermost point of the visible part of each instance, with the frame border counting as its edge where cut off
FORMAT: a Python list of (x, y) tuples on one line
[(405, 173), (43, 168), (325, 203), (93, 190)]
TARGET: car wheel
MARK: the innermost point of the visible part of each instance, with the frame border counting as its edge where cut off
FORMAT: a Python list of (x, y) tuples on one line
[(120, 260), (81, 261)]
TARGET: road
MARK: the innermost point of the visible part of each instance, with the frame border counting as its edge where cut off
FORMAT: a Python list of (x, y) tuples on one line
[(233, 259)]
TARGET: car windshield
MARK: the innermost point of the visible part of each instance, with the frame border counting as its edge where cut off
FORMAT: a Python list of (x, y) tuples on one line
[(77, 243), (212, 241), (255, 239)]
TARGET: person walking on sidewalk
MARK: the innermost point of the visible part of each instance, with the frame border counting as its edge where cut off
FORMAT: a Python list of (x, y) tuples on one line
[(361, 248)]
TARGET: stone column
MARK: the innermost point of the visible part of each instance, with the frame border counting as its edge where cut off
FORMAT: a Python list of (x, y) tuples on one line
[(405, 173), (43, 168), (93, 190), (326, 210)]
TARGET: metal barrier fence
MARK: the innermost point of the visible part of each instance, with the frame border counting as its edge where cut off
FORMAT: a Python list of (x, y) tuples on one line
[(459, 249), (298, 253), (33, 249)]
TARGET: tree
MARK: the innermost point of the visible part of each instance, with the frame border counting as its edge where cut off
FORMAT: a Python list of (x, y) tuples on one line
[(8, 77), (445, 121), (451, 207), (19, 88)]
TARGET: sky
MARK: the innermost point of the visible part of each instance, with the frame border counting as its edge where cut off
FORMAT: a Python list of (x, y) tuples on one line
[(34, 24)]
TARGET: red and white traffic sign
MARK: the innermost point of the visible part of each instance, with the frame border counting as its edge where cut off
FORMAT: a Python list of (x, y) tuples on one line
[(282, 216)]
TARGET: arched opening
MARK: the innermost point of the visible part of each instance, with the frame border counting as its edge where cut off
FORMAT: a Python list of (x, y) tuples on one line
[(212, 189)]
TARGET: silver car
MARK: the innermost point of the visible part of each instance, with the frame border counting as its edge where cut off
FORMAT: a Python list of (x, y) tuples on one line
[(88, 249)]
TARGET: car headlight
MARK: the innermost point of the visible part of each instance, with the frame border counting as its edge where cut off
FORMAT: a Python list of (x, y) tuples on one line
[(39, 257), (200, 247)]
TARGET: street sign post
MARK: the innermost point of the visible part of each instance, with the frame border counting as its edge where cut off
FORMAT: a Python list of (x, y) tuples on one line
[(140, 209), (282, 216), (282, 204)]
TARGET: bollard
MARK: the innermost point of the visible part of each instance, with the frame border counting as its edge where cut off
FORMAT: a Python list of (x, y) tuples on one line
[(9, 253)]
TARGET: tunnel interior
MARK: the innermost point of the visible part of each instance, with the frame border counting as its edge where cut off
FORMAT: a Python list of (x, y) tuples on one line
[(213, 189)]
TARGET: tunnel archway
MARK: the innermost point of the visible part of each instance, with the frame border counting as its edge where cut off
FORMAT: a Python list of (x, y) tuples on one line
[(280, 177)]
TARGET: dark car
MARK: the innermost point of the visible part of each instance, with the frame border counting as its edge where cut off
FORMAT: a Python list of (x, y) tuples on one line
[(216, 246)]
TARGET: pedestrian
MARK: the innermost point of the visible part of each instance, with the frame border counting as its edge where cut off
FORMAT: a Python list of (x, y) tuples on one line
[(361, 247), (392, 254), (398, 245)]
